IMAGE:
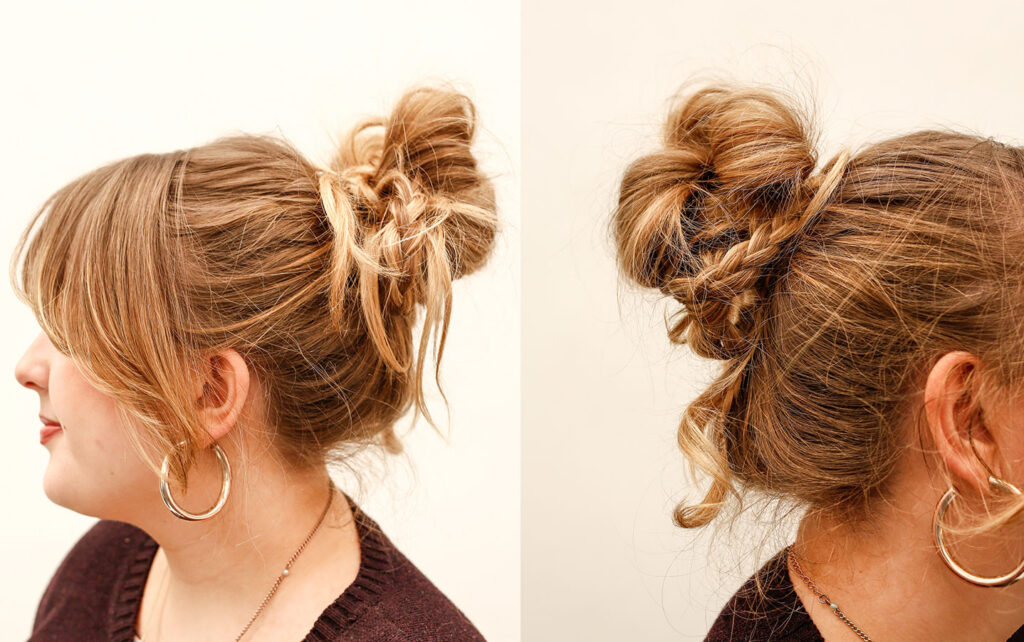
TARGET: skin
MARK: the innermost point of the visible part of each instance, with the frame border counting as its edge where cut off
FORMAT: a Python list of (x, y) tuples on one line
[(208, 577), (886, 575)]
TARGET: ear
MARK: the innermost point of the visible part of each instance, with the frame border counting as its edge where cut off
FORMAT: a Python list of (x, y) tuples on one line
[(222, 392), (959, 438)]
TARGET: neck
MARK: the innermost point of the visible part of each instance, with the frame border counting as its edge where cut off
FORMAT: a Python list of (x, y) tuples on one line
[(214, 574), (888, 579)]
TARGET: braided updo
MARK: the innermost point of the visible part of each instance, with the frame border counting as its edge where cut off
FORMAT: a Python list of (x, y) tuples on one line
[(737, 166), (826, 292), (316, 275), (410, 213)]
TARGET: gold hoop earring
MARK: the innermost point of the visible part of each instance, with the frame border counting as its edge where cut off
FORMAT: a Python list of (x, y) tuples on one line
[(980, 580), (225, 486)]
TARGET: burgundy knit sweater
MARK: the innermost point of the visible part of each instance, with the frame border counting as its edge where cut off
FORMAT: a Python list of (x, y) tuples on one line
[(775, 613), (96, 592)]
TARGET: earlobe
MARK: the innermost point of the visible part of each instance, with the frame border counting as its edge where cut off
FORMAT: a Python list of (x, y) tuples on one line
[(961, 438)]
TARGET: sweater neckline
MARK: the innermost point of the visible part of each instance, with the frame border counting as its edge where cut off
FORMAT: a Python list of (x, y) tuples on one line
[(766, 607), (376, 558), (782, 596)]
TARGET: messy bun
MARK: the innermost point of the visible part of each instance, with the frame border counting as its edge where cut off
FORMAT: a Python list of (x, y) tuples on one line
[(818, 288), (411, 212), (713, 216), (315, 274)]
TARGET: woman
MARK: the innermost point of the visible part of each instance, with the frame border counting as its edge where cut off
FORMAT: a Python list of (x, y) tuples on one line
[(220, 326), (867, 318)]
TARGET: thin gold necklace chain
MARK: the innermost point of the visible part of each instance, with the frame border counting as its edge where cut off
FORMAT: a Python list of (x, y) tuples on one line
[(822, 597), (287, 567)]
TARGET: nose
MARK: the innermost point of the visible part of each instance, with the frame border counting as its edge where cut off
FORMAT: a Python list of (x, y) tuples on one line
[(32, 369)]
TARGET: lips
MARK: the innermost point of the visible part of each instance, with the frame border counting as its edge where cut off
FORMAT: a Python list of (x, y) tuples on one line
[(48, 431)]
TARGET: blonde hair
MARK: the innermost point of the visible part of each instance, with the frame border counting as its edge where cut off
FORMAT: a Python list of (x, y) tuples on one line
[(142, 268), (827, 293)]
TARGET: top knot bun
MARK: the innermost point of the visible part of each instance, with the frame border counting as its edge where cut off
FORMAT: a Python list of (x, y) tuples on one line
[(710, 217), (411, 211)]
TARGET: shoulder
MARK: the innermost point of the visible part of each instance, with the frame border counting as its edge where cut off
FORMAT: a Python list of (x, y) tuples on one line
[(764, 609), (419, 609), (108, 536), (79, 591), (392, 600), (99, 550)]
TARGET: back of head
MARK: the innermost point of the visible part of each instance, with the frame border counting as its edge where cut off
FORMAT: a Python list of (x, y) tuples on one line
[(826, 292), (141, 268)]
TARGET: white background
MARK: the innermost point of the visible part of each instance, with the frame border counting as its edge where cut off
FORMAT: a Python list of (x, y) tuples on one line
[(87, 83), (603, 389)]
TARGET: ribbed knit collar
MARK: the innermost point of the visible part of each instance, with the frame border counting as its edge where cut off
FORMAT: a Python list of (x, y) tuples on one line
[(377, 556)]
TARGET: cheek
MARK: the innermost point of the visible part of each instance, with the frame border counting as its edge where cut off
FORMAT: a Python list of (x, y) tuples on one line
[(93, 468), (89, 416)]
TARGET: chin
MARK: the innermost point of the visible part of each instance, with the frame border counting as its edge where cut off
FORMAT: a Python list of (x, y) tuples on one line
[(94, 487), (62, 489), (56, 488)]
